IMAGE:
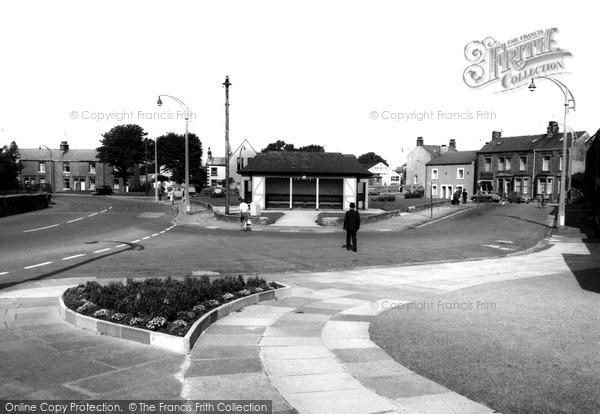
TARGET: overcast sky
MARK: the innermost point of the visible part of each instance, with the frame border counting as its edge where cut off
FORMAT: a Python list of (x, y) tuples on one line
[(304, 72)]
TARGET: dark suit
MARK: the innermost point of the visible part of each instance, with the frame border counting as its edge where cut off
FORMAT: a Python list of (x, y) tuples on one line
[(351, 225)]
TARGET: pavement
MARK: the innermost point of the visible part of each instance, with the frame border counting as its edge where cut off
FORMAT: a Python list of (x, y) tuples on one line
[(310, 353)]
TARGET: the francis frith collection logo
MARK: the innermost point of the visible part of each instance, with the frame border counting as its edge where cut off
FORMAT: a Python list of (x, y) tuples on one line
[(513, 62)]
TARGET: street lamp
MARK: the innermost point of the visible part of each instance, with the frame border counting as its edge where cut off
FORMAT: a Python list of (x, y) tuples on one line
[(51, 164), (569, 104), (570, 164), (187, 160), (156, 169)]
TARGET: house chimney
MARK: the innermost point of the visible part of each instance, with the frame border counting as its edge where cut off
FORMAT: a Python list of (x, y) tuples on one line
[(552, 129), (64, 146), (443, 149), (419, 141), (496, 135), (452, 144)]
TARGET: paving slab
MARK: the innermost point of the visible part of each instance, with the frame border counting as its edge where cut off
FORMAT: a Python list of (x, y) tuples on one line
[(296, 384), (294, 352), (278, 367), (223, 366), (444, 403), (358, 400), (402, 386)]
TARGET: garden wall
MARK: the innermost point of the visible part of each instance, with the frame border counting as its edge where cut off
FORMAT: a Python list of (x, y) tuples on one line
[(22, 203)]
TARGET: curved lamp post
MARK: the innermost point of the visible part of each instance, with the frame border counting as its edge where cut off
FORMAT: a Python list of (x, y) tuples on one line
[(187, 161), (569, 104)]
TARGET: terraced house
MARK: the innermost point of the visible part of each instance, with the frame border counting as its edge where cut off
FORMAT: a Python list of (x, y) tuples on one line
[(68, 169), (530, 164)]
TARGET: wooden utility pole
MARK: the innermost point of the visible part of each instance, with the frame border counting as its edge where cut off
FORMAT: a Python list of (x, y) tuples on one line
[(227, 84)]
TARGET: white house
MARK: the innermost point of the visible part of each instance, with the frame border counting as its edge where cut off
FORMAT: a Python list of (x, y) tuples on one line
[(238, 159), (384, 175)]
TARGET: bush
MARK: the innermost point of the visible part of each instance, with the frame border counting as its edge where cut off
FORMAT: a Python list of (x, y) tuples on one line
[(416, 194), (387, 197), (161, 305)]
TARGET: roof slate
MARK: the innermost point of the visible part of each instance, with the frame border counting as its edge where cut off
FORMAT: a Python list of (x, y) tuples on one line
[(298, 162), (527, 143), (35, 154), (454, 158)]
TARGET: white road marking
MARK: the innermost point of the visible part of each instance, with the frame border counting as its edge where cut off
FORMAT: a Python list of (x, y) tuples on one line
[(103, 211), (37, 265), (162, 232), (155, 234), (383, 230), (145, 238), (498, 247), (3, 273), (120, 245), (101, 250), (41, 228), (136, 241), (211, 227), (504, 241), (73, 257), (93, 214), (77, 219)]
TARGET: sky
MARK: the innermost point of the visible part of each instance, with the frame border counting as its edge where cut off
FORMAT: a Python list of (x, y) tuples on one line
[(352, 76)]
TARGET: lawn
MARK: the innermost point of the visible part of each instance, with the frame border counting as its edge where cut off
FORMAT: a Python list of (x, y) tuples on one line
[(531, 347)]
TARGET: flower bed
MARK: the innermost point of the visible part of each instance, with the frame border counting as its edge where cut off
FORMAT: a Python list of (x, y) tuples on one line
[(167, 306)]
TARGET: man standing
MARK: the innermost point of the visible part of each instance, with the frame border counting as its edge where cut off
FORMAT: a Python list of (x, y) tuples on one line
[(244, 213), (351, 225), (464, 196)]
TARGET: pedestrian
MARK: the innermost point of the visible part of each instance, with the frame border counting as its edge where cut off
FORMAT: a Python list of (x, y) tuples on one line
[(244, 214), (351, 225), (464, 195), (172, 196), (161, 191), (456, 197)]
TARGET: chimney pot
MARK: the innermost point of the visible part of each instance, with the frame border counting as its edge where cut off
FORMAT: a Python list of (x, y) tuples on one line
[(496, 135), (419, 141), (452, 144)]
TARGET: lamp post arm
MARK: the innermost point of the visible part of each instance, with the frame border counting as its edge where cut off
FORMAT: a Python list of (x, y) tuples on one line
[(180, 102), (569, 98)]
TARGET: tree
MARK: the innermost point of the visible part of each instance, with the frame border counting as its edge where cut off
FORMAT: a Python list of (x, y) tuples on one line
[(370, 158), (122, 147), (280, 145), (171, 155), (10, 167), (312, 148)]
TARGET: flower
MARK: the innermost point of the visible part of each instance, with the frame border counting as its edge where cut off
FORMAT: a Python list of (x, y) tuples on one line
[(199, 308), (87, 306), (135, 321), (179, 323), (258, 290), (228, 296), (186, 315), (157, 322), (244, 292), (117, 316), (213, 303), (101, 313)]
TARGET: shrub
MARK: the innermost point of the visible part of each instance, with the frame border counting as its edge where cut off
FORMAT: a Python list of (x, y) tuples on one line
[(163, 305), (415, 194), (387, 197)]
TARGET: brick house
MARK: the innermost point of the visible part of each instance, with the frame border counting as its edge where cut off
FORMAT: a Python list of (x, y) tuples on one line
[(417, 159), (449, 172), (529, 164), (68, 169)]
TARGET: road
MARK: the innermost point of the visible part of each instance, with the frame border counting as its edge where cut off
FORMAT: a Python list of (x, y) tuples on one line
[(124, 237)]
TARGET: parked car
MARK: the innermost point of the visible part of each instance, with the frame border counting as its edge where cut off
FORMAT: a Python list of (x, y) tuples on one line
[(103, 190), (483, 196), (516, 197), (373, 191)]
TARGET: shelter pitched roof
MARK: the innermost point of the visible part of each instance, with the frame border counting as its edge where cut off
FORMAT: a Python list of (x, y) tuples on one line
[(454, 158), (299, 163)]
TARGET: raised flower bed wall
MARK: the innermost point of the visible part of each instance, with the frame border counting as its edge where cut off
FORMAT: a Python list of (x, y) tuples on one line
[(161, 340)]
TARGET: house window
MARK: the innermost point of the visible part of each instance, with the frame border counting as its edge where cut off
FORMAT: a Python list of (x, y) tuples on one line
[(92, 183), (116, 183), (66, 183), (42, 167), (560, 163), (507, 163), (395, 178), (213, 171), (518, 185), (42, 181), (545, 186), (92, 168), (488, 164), (501, 163), (416, 179), (526, 186), (240, 163), (546, 163), (66, 167), (434, 174), (434, 190), (460, 173), (522, 163)]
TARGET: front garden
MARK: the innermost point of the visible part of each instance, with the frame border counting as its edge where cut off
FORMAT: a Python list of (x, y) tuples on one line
[(168, 306)]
